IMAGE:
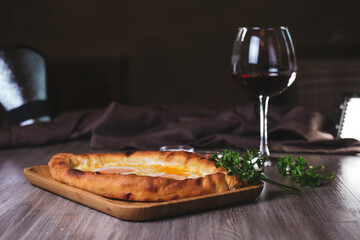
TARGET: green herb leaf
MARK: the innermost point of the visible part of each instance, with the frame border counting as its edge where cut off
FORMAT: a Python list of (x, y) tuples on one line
[(245, 167), (300, 172)]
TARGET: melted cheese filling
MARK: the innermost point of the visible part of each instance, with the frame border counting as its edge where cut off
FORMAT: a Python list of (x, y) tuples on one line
[(150, 170)]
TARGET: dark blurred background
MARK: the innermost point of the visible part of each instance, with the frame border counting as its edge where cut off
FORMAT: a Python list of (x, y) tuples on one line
[(147, 52)]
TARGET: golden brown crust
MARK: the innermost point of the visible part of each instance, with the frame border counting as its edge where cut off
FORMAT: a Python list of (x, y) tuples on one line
[(64, 167)]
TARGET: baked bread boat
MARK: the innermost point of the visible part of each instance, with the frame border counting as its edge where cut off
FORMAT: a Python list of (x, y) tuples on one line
[(142, 175)]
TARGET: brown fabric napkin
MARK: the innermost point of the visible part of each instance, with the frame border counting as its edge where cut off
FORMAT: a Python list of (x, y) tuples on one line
[(72, 125), (123, 127), (290, 129)]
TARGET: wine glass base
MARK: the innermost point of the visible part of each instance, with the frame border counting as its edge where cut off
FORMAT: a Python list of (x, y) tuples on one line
[(264, 152)]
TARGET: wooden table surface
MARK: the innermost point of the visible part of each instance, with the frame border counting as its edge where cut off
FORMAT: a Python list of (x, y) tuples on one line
[(328, 212)]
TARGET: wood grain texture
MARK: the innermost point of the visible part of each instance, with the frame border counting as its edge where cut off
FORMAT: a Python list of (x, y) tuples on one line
[(331, 211)]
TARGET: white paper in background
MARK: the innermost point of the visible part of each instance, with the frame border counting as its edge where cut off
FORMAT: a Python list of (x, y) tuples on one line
[(351, 121)]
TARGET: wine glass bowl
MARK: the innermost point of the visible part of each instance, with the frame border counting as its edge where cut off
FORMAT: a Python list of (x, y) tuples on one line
[(264, 65)]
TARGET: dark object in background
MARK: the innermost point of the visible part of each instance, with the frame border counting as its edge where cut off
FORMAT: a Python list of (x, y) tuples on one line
[(23, 93)]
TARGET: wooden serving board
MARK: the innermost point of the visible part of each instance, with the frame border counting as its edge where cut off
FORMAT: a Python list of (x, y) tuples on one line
[(139, 211)]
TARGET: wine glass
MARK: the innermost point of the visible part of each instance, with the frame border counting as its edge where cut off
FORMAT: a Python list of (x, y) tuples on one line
[(264, 65)]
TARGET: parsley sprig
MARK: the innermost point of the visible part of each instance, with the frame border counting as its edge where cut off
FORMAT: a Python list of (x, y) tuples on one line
[(300, 172), (245, 167), (250, 168)]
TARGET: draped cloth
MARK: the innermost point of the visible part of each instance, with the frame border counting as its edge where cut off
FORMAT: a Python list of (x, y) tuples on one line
[(123, 127)]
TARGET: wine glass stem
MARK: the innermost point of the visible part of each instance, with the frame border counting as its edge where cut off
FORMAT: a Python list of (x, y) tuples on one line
[(264, 149)]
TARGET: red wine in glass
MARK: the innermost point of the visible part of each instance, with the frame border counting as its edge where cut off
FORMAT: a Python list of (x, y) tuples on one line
[(268, 84)]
